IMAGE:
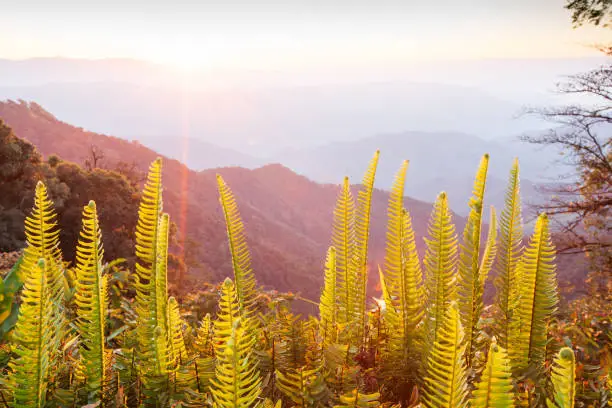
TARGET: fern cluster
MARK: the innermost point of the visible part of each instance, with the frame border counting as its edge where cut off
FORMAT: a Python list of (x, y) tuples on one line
[(425, 343)]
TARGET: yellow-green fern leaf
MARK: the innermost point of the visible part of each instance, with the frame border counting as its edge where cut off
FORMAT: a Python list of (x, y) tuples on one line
[(237, 382), (148, 254), (343, 237), (389, 310), (150, 285), (175, 327), (362, 235), (147, 246), (42, 239), (564, 380), (445, 384), (356, 399), (228, 313), (42, 234), (244, 277), (161, 272), (470, 280), (36, 337), (306, 388), (537, 300), (204, 363), (403, 274), (495, 389), (509, 255), (440, 264), (91, 299), (203, 340), (394, 250), (327, 305), (490, 251)]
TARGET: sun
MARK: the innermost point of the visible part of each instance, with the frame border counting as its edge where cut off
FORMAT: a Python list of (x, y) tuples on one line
[(185, 54), (184, 60)]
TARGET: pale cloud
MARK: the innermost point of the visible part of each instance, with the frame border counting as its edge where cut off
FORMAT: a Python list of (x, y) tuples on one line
[(281, 34)]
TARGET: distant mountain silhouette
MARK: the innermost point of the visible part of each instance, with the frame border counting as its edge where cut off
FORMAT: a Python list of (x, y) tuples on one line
[(438, 161), (257, 111), (260, 121)]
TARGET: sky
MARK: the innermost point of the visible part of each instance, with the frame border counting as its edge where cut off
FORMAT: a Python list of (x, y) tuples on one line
[(258, 34)]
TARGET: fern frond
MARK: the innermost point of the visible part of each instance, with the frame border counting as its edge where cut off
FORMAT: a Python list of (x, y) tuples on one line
[(203, 341), (42, 239), (362, 235), (564, 380), (356, 399), (237, 382), (292, 340), (343, 237), (91, 300), (306, 388), (268, 403), (36, 336), (389, 311), (228, 313), (161, 272), (440, 264), (42, 234), (149, 213), (537, 300), (175, 328), (403, 274), (495, 389), (445, 384), (510, 249), (490, 251), (244, 277), (151, 286), (327, 305), (470, 280)]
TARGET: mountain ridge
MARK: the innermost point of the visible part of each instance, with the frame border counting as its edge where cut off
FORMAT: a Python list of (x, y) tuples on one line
[(287, 216), (279, 208)]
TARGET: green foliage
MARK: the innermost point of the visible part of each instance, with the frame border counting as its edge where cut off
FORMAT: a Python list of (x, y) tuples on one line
[(537, 301), (446, 377), (343, 236), (440, 263), (39, 329), (36, 335), (132, 346), (594, 12), (510, 248), (564, 379), (306, 388), (241, 258), (495, 389), (151, 288), (236, 383), (69, 187), (91, 299), (9, 287), (328, 312), (403, 291), (362, 236), (470, 277)]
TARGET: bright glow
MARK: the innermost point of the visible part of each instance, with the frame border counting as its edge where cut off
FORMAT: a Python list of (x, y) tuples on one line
[(242, 38)]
